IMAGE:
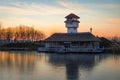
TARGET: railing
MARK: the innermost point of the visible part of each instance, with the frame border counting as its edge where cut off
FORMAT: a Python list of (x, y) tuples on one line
[(59, 49), (51, 49)]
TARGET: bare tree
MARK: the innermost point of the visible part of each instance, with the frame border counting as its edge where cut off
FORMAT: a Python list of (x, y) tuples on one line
[(21, 32)]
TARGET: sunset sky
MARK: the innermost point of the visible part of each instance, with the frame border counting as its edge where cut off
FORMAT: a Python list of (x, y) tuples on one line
[(48, 15)]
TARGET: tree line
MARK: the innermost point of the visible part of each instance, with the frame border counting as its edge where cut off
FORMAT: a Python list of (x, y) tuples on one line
[(21, 32)]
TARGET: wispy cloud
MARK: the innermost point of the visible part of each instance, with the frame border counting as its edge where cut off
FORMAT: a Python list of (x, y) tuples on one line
[(40, 8), (30, 9), (73, 6), (111, 6), (104, 6), (11, 22), (21, 8)]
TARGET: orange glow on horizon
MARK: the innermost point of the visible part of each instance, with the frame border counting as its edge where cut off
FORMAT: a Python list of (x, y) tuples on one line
[(108, 29), (107, 32)]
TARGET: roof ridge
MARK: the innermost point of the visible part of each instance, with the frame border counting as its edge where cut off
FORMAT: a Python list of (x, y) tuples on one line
[(72, 15), (73, 33)]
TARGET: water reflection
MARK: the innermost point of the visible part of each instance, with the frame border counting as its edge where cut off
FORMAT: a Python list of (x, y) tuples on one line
[(75, 62), (43, 66), (17, 60)]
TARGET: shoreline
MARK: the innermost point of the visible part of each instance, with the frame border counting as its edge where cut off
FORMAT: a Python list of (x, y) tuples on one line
[(111, 49), (17, 49)]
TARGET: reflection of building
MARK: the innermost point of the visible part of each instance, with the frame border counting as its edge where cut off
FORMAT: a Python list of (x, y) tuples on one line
[(72, 41), (72, 70), (74, 63)]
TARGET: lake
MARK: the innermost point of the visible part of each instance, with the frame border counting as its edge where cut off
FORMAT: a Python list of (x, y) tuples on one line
[(31, 65)]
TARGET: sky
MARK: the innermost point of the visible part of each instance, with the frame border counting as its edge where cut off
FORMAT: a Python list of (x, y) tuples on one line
[(48, 16)]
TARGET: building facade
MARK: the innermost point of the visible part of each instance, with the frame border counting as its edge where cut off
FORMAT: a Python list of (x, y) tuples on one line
[(72, 41)]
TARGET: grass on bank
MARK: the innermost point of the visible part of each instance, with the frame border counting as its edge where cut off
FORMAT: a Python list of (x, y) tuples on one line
[(22, 45)]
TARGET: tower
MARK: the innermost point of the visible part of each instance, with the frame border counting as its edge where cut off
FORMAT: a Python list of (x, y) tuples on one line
[(72, 23)]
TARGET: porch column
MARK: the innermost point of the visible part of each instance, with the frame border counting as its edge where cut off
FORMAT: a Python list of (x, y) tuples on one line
[(96, 44)]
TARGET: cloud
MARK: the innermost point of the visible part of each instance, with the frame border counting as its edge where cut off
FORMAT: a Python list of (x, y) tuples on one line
[(104, 6), (63, 7), (21, 8), (14, 21), (73, 6), (111, 6), (84, 7), (31, 9)]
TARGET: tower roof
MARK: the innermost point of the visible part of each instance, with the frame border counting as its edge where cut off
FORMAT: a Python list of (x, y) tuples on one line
[(72, 16)]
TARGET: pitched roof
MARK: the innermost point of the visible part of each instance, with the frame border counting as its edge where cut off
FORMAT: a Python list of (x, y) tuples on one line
[(72, 15), (86, 36)]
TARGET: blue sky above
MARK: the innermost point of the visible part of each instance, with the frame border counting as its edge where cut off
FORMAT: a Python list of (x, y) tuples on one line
[(47, 14)]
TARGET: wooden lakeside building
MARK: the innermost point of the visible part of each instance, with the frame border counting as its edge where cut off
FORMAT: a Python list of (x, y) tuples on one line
[(72, 41)]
